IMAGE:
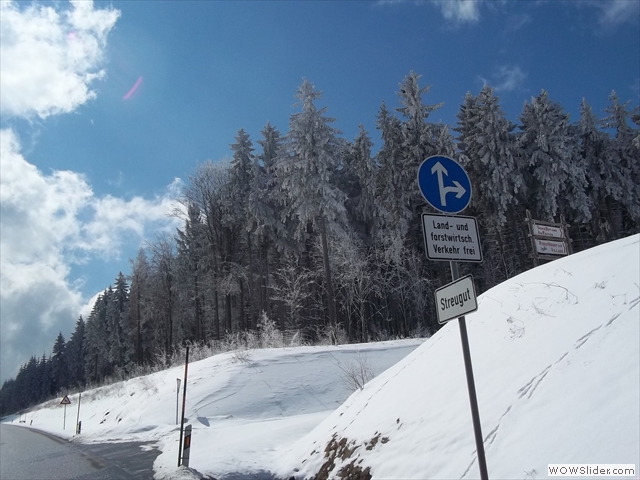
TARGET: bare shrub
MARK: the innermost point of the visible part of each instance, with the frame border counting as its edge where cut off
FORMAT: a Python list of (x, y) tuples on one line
[(241, 356), (332, 335), (356, 372)]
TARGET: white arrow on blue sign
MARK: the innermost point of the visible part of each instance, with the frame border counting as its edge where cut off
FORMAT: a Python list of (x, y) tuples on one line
[(444, 184)]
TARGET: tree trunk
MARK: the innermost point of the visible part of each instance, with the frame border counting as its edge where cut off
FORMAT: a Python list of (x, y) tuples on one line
[(327, 273)]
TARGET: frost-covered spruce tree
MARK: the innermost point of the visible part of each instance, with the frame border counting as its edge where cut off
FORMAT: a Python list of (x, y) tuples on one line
[(140, 312), (486, 143), (394, 205), (190, 242), (407, 143), (75, 354), (358, 180), (553, 173), (310, 156), (163, 292), (118, 326), (263, 202), (59, 365), (97, 341), (238, 223), (417, 135), (606, 182), (264, 210), (626, 155)]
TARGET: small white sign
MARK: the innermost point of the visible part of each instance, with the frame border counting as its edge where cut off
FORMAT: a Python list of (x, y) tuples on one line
[(547, 231), (551, 247), (456, 299), (451, 238)]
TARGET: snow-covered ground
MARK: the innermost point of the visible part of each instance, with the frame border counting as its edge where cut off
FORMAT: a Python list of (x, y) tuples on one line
[(556, 358)]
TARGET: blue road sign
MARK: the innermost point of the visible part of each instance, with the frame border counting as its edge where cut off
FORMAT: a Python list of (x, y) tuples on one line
[(444, 184)]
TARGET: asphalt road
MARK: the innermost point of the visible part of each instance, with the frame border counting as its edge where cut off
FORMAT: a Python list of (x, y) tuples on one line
[(27, 454)]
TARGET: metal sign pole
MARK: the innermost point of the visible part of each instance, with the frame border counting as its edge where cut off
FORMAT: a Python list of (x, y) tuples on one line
[(473, 399), (177, 398), (184, 401)]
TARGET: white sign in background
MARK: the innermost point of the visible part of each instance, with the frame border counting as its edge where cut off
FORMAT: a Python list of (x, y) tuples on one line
[(551, 247), (451, 238), (548, 231), (456, 299)]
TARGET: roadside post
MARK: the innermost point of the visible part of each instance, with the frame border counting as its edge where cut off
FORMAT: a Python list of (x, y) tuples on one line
[(184, 401), (186, 446), (177, 398), (78, 422), (446, 187), (65, 401)]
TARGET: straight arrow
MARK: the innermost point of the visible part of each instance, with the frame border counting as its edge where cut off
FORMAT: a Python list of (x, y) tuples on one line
[(458, 189)]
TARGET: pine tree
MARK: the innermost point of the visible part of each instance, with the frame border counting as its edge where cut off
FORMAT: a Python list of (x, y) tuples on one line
[(625, 154), (139, 303), (163, 293), (309, 159), (394, 204), (118, 325), (240, 182), (264, 210), (59, 366), (97, 365), (487, 145), (75, 354), (207, 191), (554, 174), (359, 183), (190, 245)]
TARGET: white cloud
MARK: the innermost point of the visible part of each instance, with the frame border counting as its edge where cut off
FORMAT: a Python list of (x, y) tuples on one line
[(507, 78), (48, 223), (50, 55), (460, 11), (617, 12), (49, 59)]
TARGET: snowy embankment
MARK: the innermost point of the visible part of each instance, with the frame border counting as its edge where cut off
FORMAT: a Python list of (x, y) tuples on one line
[(556, 362), (243, 405), (556, 354)]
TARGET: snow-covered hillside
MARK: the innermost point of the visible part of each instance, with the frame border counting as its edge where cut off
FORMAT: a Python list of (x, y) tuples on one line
[(556, 355), (243, 405), (556, 362)]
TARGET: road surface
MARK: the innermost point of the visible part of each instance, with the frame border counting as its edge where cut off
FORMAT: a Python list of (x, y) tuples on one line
[(27, 454)]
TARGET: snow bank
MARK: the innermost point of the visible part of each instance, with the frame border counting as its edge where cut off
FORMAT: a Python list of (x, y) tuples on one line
[(556, 362)]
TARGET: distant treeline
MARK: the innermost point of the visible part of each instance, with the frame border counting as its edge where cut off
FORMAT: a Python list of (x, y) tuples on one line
[(322, 236)]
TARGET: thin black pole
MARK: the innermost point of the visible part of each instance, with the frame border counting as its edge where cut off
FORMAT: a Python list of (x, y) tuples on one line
[(184, 401), (471, 385)]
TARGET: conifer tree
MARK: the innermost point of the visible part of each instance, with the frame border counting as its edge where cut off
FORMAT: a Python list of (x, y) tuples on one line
[(75, 354), (139, 306), (310, 156), (59, 366), (554, 175), (625, 154), (190, 265)]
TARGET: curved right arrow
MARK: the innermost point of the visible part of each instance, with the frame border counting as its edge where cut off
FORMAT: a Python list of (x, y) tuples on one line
[(458, 189)]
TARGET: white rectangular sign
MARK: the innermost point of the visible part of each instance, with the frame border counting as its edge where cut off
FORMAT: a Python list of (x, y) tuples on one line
[(451, 238), (456, 299), (551, 247), (547, 231)]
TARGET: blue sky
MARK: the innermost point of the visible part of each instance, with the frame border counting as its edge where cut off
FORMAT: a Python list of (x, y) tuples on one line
[(89, 175)]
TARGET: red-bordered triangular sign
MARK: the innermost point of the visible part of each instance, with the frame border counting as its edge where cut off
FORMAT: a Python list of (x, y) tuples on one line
[(65, 401)]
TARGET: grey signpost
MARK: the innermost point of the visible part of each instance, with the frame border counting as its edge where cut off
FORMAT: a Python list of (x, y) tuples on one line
[(446, 187)]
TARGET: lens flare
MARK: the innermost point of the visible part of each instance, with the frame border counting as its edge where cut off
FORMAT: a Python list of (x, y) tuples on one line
[(133, 89)]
